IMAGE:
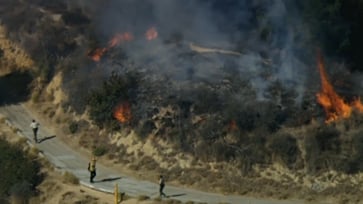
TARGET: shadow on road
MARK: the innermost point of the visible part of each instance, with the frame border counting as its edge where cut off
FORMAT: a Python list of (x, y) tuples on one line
[(46, 138), (108, 179), (176, 195)]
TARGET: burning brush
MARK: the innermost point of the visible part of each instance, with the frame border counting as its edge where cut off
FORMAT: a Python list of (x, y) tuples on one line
[(118, 39), (334, 105)]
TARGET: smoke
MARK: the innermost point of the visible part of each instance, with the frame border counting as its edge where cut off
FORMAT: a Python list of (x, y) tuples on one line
[(265, 32)]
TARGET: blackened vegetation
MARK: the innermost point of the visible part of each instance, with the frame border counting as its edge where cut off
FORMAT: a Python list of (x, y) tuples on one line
[(209, 121), (339, 26), (75, 17), (217, 120), (48, 39), (284, 148), (329, 147), (214, 123)]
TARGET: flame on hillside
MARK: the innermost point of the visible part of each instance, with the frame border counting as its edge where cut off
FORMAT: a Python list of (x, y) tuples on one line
[(122, 112), (232, 126), (118, 39), (151, 34), (334, 105)]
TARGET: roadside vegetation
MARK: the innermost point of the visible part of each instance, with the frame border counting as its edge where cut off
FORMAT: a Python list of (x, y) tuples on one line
[(20, 172)]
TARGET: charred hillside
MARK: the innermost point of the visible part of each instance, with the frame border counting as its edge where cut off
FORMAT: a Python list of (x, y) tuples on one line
[(236, 83)]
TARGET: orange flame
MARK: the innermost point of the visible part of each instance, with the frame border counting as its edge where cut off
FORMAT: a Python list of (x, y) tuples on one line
[(117, 39), (122, 112), (358, 105), (151, 33), (96, 54), (334, 106), (232, 125)]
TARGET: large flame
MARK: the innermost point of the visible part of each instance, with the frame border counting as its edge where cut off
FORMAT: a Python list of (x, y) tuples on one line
[(122, 112), (118, 39), (334, 106)]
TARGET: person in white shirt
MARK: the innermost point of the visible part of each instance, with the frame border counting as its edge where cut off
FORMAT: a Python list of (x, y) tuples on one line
[(35, 125)]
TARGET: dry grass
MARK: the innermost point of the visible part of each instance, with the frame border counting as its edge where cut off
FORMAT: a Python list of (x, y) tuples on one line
[(22, 141), (143, 198), (70, 178), (172, 201), (34, 150)]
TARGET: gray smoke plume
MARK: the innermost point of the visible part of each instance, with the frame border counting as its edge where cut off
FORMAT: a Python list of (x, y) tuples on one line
[(264, 32)]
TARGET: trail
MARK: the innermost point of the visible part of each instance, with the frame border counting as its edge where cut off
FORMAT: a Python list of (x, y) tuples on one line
[(66, 159)]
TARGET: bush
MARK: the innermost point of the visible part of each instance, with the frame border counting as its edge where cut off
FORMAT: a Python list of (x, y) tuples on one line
[(312, 152), (355, 164), (328, 139), (73, 127), (21, 192), (115, 89), (323, 150), (145, 128), (100, 151), (284, 146), (16, 168)]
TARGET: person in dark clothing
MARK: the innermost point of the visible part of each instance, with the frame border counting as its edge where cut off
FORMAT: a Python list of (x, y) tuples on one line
[(34, 125), (92, 169), (161, 186)]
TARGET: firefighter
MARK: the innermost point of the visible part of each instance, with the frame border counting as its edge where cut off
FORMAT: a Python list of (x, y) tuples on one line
[(92, 169)]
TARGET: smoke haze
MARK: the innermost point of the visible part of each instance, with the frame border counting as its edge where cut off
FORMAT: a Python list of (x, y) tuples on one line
[(264, 31)]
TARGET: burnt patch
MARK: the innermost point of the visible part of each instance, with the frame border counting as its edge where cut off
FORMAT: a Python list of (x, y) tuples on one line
[(75, 17), (14, 87)]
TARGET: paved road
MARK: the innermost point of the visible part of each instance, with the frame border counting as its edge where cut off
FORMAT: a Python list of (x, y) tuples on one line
[(67, 159)]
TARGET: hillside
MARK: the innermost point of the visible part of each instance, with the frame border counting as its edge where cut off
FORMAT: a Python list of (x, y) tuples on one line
[(239, 103)]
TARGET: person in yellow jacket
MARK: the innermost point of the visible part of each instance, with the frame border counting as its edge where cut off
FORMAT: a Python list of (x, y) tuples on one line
[(92, 169)]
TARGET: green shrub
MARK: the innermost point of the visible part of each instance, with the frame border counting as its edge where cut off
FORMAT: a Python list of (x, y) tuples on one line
[(16, 168), (21, 192), (115, 89), (100, 151), (73, 127)]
